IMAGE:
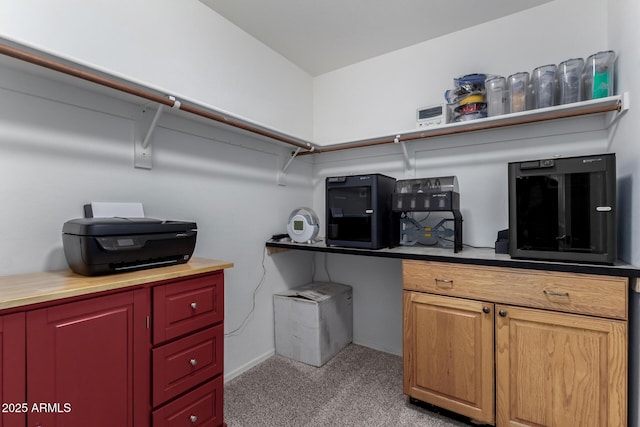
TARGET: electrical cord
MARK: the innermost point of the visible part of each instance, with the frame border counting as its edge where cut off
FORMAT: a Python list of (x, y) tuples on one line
[(471, 246), (478, 247), (326, 267), (237, 331)]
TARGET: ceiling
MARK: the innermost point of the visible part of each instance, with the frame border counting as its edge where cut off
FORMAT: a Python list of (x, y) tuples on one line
[(324, 35)]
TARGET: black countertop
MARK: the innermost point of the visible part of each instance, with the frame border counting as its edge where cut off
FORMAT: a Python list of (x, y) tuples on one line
[(469, 255)]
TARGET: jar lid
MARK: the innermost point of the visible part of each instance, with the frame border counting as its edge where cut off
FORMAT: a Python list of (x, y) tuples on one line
[(471, 99)]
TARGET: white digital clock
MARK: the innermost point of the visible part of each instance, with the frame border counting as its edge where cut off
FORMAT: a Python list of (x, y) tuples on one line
[(303, 225), (433, 115)]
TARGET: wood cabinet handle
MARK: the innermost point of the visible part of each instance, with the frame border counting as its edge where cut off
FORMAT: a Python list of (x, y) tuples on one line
[(193, 362), (502, 313), (486, 310), (556, 294), (193, 418), (444, 282), (194, 305)]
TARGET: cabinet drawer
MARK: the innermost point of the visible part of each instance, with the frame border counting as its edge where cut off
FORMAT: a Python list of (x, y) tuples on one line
[(183, 364), (568, 292), (200, 408), (182, 307)]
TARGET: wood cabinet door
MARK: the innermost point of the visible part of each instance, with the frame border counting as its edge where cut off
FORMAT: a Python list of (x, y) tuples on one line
[(559, 370), (448, 353), (12, 370), (88, 363)]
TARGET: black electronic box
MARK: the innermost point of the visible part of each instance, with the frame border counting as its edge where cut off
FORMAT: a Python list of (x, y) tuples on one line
[(564, 209), (94, 246), (359, 213)]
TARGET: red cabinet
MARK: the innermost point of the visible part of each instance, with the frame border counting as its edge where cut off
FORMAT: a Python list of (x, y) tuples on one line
[(124, 350), (183, 364), (12, 370), (187, 305), (187, 356), (87, 362), (200, 408)]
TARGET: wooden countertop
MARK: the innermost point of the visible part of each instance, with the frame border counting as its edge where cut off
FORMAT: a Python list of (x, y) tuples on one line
[(25, 289)]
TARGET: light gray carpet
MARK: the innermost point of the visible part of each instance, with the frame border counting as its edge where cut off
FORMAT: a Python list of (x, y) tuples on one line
[(358, 387)]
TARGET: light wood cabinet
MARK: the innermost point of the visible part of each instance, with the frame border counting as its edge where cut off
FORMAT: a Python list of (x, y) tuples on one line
[(448, 357), (560, 369), (558, 340)]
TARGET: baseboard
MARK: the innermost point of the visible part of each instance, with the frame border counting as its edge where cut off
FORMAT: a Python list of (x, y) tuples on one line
[(395, 352), (228, 376)]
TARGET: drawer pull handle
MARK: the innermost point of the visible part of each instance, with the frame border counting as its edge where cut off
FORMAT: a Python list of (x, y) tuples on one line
[(193, 362), (502, 313), (442, 282), (193, 418), (556, 294), (194, 305)]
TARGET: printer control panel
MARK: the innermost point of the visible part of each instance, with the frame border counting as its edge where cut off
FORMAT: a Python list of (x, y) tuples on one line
[(113, 243)]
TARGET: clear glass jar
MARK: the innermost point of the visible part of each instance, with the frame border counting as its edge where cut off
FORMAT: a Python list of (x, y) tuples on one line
[(518, 88)]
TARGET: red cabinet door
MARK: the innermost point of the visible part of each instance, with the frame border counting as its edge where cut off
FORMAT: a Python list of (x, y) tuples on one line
[(87, 363), (12, 371)]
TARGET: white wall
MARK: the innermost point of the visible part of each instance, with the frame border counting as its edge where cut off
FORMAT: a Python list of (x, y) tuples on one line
[(480, 163), (62, 147), (379, 97), (181, 48), (82, 145), (624, 35)]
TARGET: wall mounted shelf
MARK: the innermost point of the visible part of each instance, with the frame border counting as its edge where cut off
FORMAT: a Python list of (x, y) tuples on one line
[(613, 107)]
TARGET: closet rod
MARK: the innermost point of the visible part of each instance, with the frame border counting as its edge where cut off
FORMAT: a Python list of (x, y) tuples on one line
[(103, 81), (309, 147)]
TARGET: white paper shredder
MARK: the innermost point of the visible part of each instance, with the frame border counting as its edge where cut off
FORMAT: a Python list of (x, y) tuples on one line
[(313, 322)]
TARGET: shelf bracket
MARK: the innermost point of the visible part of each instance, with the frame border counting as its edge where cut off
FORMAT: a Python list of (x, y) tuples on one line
[(293, 156), (407, 160), (283, 172), (614, 116), (142, 145)]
